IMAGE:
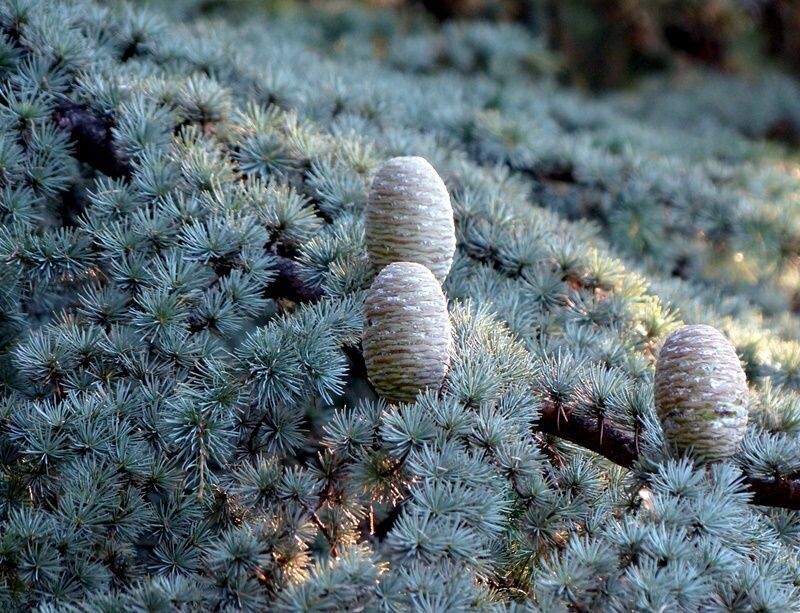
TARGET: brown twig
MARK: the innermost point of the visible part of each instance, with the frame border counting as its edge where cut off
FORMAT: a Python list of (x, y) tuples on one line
[(614, 443), (620, 447), (325, 532), (324, 497), (202, 468)]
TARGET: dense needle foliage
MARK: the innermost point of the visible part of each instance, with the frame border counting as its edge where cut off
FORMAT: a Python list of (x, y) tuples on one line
[(177, 430)]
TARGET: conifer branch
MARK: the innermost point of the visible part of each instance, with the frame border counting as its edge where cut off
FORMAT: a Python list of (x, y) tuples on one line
[(91, 136), (620, 447), (168, 213), (615, 444), (94, 146)]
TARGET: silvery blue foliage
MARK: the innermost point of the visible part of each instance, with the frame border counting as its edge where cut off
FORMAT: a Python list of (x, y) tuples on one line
[(178, 432)]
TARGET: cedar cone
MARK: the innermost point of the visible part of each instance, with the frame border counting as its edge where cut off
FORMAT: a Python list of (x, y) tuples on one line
[(409, 217), (701, 393), (406, 332)]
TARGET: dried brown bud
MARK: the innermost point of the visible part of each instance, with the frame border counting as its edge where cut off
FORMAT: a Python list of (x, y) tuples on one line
[(701, 393), (409, 217), (406, 332)]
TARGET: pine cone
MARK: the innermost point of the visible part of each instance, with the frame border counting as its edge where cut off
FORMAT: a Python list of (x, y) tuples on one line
[(409, 217), (406, 332), (701, 393)]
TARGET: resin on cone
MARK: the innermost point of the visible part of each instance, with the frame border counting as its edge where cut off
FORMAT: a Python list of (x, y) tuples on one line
[(701, 393), (409, 217), (406, 332)]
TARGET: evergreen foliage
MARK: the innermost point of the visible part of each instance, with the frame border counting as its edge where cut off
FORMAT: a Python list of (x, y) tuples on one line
[(185, 421)]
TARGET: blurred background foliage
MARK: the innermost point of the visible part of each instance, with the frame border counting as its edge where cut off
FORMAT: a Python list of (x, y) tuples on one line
[(601, 44)]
